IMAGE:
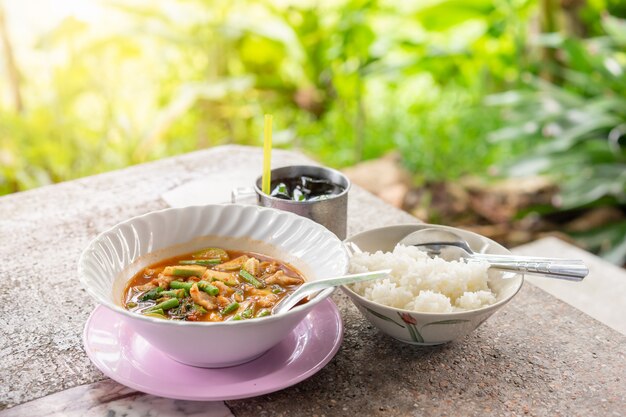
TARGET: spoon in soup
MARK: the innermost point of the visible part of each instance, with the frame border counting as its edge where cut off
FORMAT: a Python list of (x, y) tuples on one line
[(450, 246), (315, 286)]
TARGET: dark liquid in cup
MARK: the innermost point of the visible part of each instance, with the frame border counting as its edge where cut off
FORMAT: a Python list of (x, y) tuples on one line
[(304, 188)]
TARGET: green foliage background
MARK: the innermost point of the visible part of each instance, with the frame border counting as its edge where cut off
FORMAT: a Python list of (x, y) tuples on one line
[(457, 86), (345, 80)]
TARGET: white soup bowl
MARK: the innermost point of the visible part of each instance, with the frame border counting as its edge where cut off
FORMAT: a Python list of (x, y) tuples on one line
[(115, 256)]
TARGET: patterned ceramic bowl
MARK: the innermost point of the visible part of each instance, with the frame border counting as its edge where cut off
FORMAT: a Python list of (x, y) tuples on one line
[(431, 328), (112, 258)]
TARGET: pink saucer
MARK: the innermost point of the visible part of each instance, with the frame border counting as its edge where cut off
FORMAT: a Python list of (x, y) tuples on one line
[(129, 359)]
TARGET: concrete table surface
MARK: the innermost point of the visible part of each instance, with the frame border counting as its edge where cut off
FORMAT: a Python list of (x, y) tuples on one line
[(601, 294), (537, 356)]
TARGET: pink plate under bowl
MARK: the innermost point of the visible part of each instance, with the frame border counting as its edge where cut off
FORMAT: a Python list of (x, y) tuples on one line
[(124, 356)]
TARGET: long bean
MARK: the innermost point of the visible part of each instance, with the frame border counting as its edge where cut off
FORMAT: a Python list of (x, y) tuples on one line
[(185, 270), (277, 289), (199, 309), (165, 305), (204, 262), (247, 313), (208, 288), (263, 313), (155, 313), (152, 294), (179, 293), (181, 285), (230, 308), (247, 276)]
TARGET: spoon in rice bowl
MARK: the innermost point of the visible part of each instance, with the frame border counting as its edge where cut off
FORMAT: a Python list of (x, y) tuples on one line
[(450, 246)]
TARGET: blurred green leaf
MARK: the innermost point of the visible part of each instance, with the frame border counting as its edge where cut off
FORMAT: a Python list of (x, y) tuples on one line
[(572, 130), (449, 13), (598, 182), (607, 240), (68, 29), (616, 28)]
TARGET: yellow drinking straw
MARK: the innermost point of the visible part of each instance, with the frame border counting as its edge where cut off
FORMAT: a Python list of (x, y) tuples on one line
[(267, 154)]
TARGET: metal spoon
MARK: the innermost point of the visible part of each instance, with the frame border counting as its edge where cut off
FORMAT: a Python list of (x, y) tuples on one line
[(315, 286), (450, 246)]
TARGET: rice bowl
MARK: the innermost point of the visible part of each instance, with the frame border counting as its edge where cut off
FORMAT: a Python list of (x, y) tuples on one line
[(464, 305)]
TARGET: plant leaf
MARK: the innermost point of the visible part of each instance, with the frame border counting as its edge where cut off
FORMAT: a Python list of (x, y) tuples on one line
[(608, 240), (616, 28)]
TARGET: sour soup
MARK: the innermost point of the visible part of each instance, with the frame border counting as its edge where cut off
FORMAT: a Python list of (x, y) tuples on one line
[(211, 285)]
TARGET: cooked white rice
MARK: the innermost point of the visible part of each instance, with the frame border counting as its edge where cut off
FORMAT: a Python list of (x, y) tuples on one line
[(419, 283)]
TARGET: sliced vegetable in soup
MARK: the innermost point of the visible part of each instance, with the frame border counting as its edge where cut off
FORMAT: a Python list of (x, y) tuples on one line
[(212, 284)]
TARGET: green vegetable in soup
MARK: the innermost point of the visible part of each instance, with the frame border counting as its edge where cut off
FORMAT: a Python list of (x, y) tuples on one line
[(263, 313), (234, 264), (165, 305), (179, 293), (208, 288), (205, 262), (212, 253), (185, 270), (152, 294), (251, 279), (164, 289), (248, 312), (198, 309), (181, 285), (230, 308), (160, 314)]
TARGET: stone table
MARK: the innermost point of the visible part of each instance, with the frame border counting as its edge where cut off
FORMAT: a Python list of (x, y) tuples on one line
[(537, 356)]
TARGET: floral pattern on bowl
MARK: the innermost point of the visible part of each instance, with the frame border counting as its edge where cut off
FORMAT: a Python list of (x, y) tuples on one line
[(408, 327), (429, 328)]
